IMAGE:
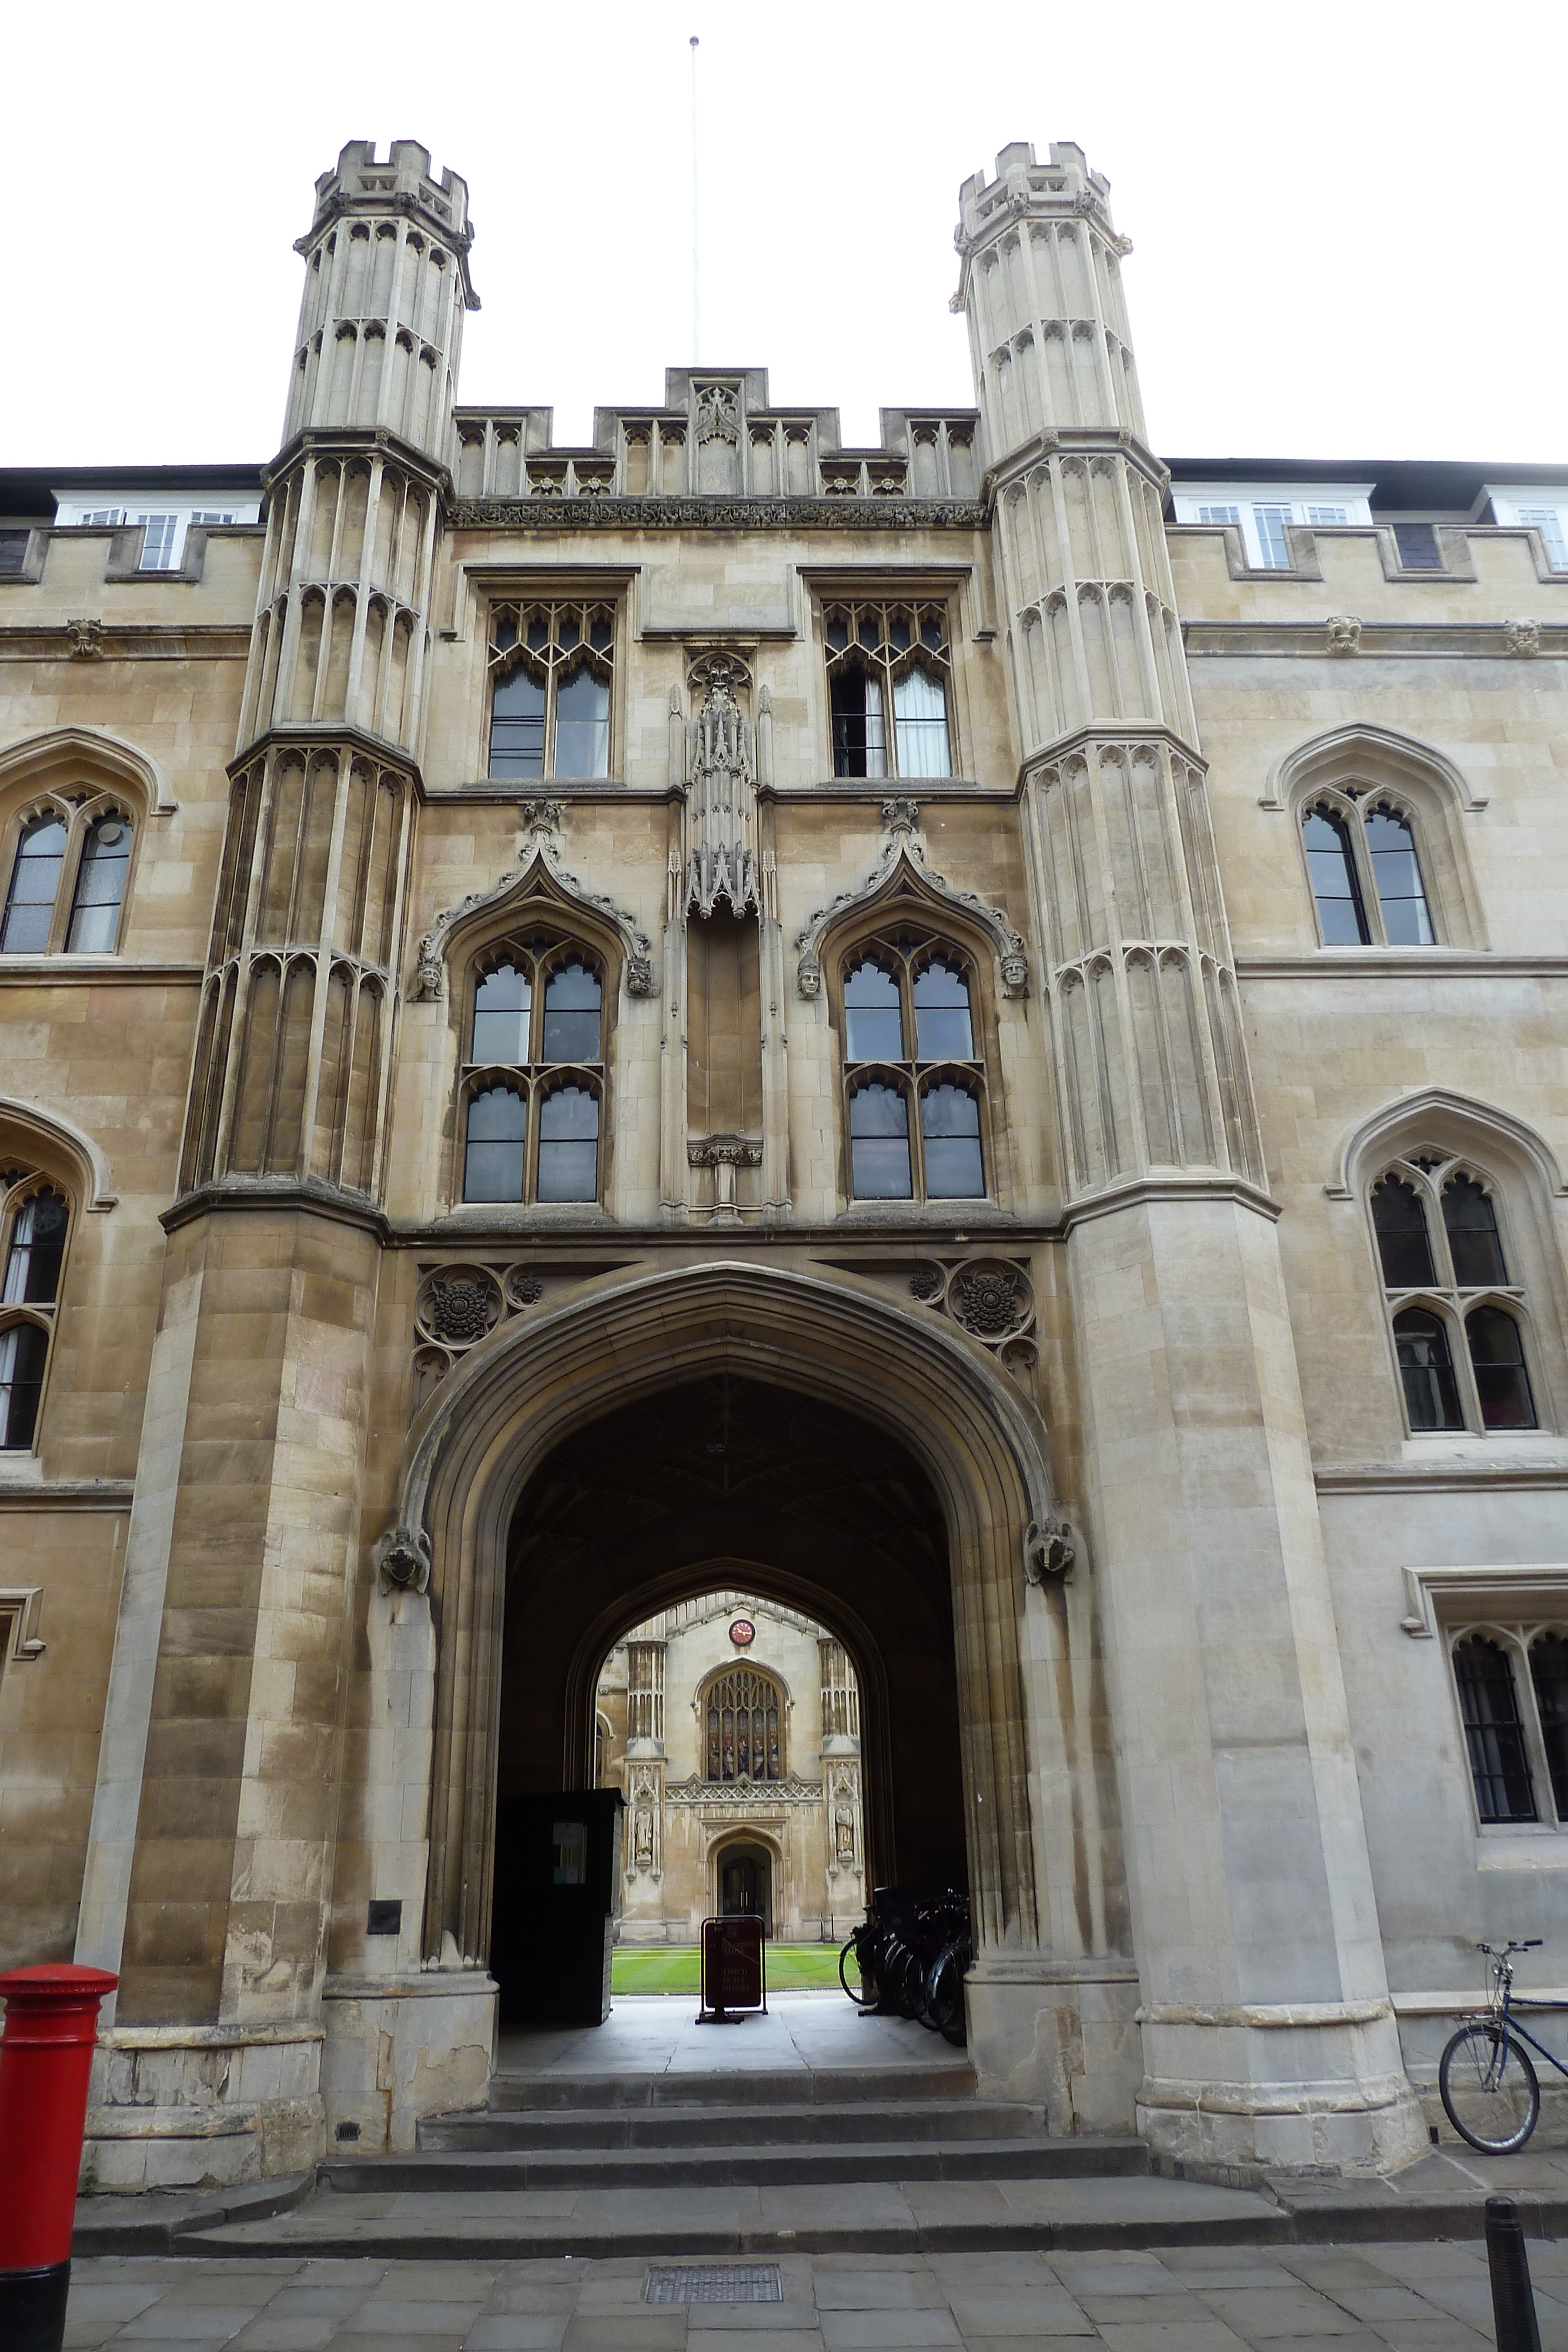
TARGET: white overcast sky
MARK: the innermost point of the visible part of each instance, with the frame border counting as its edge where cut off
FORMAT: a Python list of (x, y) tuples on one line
[(1349, 221)]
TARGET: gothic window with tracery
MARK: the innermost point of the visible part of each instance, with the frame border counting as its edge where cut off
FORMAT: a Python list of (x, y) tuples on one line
[(533, 1077), (35, 1220), (1366, 872), (889, 668), (552, 671), (66, 887), (913, 1078), (1458, 1317), (1511, 1681), (745, 1716)]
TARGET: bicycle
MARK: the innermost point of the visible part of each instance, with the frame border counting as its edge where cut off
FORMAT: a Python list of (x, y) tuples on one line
[(1490, 2088)]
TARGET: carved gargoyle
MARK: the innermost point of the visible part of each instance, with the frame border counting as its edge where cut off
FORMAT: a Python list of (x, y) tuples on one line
[(402, 1559), (1049, 1554)]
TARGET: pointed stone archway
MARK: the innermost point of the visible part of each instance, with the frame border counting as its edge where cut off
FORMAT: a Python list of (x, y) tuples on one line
[(472, 1451)]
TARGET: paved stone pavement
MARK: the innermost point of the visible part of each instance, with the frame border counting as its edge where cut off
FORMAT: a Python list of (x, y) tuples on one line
[(1409, 2298), (659, 2033)]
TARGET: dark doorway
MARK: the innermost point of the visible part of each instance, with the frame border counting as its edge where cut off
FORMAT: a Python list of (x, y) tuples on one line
[(746, 1884), (734, 1481)]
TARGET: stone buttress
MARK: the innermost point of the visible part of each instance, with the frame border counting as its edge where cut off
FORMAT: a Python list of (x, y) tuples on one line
[(1268, 2033)]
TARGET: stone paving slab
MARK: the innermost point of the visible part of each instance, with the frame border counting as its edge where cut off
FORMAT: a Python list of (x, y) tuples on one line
[(1362, 2297)]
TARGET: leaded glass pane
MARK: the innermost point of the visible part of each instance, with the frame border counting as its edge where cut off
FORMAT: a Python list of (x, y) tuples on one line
[(23, 1350), (582, 724), (874, 1015), (1549, 1673), (950, 1127), (1404, 1241), (34, 879), (879, 1144), (497, 1140), (1497, 1357), (568, 1145), (37, 1246), (1474, 1243), (920, 725), (502, 1004), (1335, 890), (1494, 1736), (944, 1031), (100, 887), (1396, 873), (573, 1000), (1427, 1369), (517, 726)]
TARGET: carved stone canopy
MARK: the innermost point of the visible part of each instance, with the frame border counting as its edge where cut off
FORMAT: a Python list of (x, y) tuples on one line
[(539, 879), (721, 796), (901, 869)]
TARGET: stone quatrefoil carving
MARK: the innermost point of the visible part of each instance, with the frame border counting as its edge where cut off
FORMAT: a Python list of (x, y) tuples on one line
[(901, 858), (456, 1307), (990, 1298)]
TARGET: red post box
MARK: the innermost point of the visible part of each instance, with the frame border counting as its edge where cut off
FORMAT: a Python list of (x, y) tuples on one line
[(46, 2062)]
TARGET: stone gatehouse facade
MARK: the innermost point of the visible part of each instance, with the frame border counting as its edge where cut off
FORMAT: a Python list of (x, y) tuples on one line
[(965, 1038), (731, 1726)]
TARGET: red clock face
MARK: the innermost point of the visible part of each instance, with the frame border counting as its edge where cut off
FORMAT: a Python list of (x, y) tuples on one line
[(743, 1632)]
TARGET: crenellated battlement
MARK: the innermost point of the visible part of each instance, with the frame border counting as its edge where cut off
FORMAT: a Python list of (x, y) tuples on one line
[(403, 182), (1059, 189)]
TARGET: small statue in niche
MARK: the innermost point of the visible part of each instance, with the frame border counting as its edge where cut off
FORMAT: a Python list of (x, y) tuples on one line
[(721, 804), (844, 1831), (643, 1837)]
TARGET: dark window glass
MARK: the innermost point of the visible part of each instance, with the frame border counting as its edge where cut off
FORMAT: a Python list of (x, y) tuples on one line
[(879, 1144), (1549, 1673), (1473, 1240), (1417, 545), (860, 741), (1427, 1369), (1489, 1707), (35, 878), (37, 1246), (1502, 1382), (572, 1001), (23, 1347), (568, 1145), (950, 1126), (13, 554), (100, 887), (943, 1029), (1397, 875), (874, 1018), (1403, 1243), (517, 727), (497, 1133), (1330, 862), (501, 1008), (581, 722)]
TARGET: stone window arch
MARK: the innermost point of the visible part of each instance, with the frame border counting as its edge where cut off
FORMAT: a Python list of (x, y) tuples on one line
[(1459, 1312), (1511, 1681), (1379, 820), (742, 1714), (532, 1072), (36, 1219), (65, 856), (909, 1011)]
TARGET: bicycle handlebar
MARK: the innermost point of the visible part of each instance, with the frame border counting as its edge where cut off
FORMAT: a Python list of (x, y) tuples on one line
[(1531, 1944)]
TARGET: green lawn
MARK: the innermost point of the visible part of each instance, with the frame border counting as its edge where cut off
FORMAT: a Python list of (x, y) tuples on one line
[(677, 1968)]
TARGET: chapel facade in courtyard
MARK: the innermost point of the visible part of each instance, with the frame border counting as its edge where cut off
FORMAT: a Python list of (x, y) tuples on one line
[(963, 1042)]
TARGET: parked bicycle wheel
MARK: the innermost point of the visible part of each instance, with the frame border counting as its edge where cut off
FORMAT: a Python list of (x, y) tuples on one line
[(852, 1974), (1488, 2088), (944, 1992)]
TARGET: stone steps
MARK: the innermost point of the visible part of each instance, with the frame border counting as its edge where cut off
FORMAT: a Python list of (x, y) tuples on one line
[(688, 2126), (1018, 2158), (796, 2086)]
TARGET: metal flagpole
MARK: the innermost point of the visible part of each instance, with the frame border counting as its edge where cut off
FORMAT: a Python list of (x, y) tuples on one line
[(695, 312)]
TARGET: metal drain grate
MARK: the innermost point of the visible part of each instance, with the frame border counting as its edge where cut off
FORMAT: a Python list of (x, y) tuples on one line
[(715, 2283)]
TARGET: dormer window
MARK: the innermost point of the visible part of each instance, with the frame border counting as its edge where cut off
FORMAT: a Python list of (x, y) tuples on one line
[(1264, 512)]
